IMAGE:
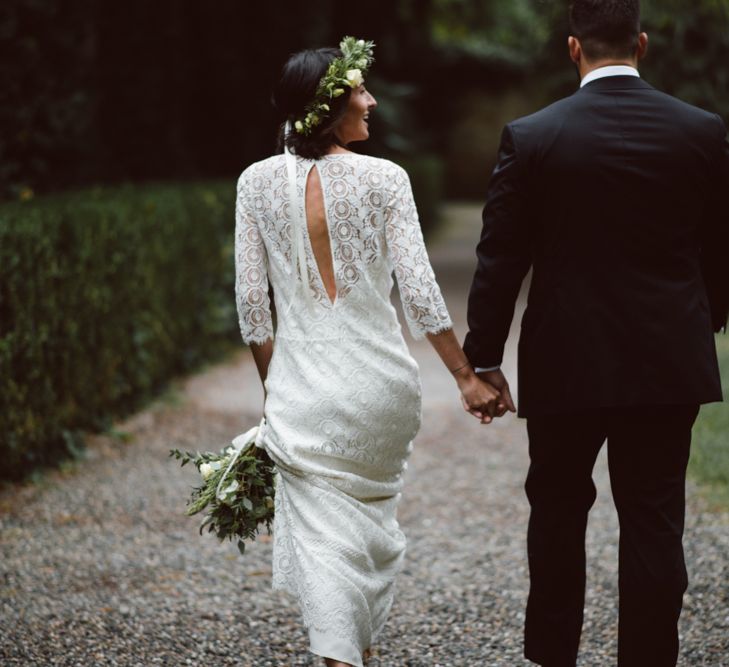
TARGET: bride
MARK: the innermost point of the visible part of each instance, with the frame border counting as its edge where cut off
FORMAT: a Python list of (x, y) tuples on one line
[(326, 228)]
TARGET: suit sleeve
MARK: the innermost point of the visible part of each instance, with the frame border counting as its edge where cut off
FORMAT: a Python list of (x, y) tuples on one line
[(504, 257), (715, 238)]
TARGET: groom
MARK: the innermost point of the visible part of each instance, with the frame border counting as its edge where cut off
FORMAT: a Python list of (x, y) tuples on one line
[(618, 198)]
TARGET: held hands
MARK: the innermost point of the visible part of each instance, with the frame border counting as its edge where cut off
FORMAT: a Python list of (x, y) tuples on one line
[(486, 395), (497, 380), (479, 398)]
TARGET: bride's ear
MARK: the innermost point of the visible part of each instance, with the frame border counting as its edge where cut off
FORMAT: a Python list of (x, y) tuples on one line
[(575, 48)]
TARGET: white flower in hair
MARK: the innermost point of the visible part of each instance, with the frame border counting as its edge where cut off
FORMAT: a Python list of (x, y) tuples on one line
[(354, 77)]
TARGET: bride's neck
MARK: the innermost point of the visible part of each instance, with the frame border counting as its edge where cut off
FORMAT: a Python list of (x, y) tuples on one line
[(335, 148)]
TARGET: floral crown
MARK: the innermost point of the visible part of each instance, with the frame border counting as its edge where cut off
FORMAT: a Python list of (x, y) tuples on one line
[(348, 70)]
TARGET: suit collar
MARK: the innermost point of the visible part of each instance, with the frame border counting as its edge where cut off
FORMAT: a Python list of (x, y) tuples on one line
[(616, 83), (609, 70)]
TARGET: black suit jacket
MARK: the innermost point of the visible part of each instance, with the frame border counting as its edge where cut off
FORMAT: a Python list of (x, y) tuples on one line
[(618, 198)]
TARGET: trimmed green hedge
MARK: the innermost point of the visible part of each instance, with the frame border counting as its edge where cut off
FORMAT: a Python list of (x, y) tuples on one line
[(104, 295)]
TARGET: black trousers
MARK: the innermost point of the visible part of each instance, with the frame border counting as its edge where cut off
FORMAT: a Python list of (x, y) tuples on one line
[(648, 450)]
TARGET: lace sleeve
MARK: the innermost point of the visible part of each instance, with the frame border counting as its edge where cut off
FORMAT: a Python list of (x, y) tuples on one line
[(423, 304), (251, 274)]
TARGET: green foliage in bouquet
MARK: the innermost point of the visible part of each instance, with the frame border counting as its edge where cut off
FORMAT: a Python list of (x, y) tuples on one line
[(237, 491)]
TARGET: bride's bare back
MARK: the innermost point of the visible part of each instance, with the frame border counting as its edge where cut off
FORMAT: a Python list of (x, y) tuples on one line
[(318, 228)]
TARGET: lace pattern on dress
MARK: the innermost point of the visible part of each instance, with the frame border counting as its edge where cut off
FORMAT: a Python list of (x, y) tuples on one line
[(251, 270), (423, 303), (374, 231)]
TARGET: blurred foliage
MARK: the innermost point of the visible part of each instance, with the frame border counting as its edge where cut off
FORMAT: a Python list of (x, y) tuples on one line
[(104, 295), (426, 178), (689, 51), (95, 92), (688, 57), (489, 31), (46, 99), (709, 462)]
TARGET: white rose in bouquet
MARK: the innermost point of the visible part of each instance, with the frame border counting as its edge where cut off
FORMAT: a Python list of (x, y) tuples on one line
[(227, 494), (240, 501)]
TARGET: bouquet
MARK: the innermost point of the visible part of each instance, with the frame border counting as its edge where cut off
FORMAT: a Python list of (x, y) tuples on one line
[(237, 489)]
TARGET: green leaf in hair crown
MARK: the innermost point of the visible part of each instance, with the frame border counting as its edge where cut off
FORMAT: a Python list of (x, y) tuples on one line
[(347, 71)]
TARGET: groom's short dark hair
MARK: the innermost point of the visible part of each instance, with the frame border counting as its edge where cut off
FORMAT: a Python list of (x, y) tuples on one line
[(606, 28)]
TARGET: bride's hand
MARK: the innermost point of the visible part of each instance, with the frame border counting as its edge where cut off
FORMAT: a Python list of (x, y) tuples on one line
[(479, 398)]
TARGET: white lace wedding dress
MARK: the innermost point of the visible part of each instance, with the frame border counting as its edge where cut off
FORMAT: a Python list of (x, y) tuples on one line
[(343, 392)]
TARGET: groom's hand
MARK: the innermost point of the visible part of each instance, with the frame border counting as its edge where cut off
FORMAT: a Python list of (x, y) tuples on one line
[(498, 380), (479, 398)]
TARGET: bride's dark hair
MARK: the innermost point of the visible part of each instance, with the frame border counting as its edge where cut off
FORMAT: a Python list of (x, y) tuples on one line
[(295, 90)]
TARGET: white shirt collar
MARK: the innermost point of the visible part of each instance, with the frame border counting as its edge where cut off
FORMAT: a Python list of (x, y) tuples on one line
[(610, 70)]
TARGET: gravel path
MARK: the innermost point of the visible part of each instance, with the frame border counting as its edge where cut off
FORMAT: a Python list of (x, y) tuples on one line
[(100, 567)]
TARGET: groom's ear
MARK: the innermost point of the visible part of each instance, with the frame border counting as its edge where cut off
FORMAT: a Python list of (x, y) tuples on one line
[(575, 48), (642, 46)]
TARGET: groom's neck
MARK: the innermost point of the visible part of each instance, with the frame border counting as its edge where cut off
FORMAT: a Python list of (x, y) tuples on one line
[(586, 67)]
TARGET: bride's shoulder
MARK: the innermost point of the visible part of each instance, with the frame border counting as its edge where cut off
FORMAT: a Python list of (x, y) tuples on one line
[(266, 168), (390, 170)]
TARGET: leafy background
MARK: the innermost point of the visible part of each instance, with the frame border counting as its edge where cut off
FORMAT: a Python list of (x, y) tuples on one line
[(97, 92)]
